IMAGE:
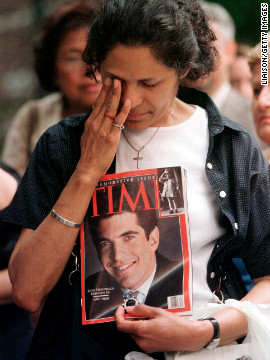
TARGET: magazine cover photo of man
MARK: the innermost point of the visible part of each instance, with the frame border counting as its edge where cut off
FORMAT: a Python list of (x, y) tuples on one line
[(127, 247)]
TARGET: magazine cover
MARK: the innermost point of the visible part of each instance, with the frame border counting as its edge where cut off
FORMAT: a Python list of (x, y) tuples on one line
[(135, 244)]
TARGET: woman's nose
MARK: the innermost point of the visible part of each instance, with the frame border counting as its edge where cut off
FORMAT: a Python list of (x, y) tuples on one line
[(133, 93)]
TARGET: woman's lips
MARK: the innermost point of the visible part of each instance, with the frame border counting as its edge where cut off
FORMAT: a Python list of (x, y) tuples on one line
[(135, 116), (265, 119)]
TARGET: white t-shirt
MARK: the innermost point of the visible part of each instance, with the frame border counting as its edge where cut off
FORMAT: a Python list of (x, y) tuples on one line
[(183, 145)]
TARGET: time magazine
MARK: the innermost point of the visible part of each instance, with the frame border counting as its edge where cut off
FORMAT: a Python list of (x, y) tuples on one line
[(135, 246)]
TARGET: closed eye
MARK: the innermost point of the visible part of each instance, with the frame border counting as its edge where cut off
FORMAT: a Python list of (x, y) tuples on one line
[(148, 85)]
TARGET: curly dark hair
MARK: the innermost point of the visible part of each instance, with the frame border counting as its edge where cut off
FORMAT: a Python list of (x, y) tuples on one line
[(176, 31), (49, 35)]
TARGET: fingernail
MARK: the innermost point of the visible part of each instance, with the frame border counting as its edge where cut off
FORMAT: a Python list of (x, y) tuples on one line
[(108, 81), (127, 103), (115, 83)]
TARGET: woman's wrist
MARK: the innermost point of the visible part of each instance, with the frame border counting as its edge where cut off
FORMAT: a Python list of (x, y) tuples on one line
[(88, 173), (216, 335), (197, 335), (86, 176), (76, 196), (204, 333)]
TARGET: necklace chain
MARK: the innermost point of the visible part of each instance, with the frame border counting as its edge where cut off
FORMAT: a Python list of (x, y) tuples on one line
[(138, 158)]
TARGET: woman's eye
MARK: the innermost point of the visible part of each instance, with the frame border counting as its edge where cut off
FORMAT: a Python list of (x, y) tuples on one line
[(149, 85)]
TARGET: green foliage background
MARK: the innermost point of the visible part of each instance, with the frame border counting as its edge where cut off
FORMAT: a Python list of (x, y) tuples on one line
[(247, 18)]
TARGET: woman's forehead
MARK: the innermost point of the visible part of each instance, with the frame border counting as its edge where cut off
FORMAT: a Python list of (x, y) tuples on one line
[(134, 62)]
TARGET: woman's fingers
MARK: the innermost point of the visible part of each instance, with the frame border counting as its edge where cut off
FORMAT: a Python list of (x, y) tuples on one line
[(99, 103), (110, 107), (107, 103), (112, 102), (102, 132), (103, 121), (106, 107), (112, 123), (122, 116)]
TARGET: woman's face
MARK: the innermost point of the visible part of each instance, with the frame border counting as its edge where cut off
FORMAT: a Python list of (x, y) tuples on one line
[(80, 91), (148, 83), (241, 76), (261, 104)]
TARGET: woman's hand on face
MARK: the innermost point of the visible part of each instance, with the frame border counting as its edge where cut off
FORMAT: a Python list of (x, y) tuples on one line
[(100, 137)]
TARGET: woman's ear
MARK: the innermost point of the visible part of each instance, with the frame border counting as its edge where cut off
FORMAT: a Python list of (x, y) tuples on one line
[(182, 76)]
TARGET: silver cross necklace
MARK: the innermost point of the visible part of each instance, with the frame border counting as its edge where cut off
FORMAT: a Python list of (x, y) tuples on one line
[(138, 157)]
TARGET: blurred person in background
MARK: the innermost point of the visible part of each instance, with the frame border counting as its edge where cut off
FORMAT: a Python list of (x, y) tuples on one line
[(16, 327), (58, 47), (240, 74), (261, 97), (230, 103)]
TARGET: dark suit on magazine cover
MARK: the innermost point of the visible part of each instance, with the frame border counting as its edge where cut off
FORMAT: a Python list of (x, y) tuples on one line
[(168, 281)]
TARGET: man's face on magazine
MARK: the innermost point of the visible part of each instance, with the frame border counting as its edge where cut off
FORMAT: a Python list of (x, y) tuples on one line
[(124, 251)]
